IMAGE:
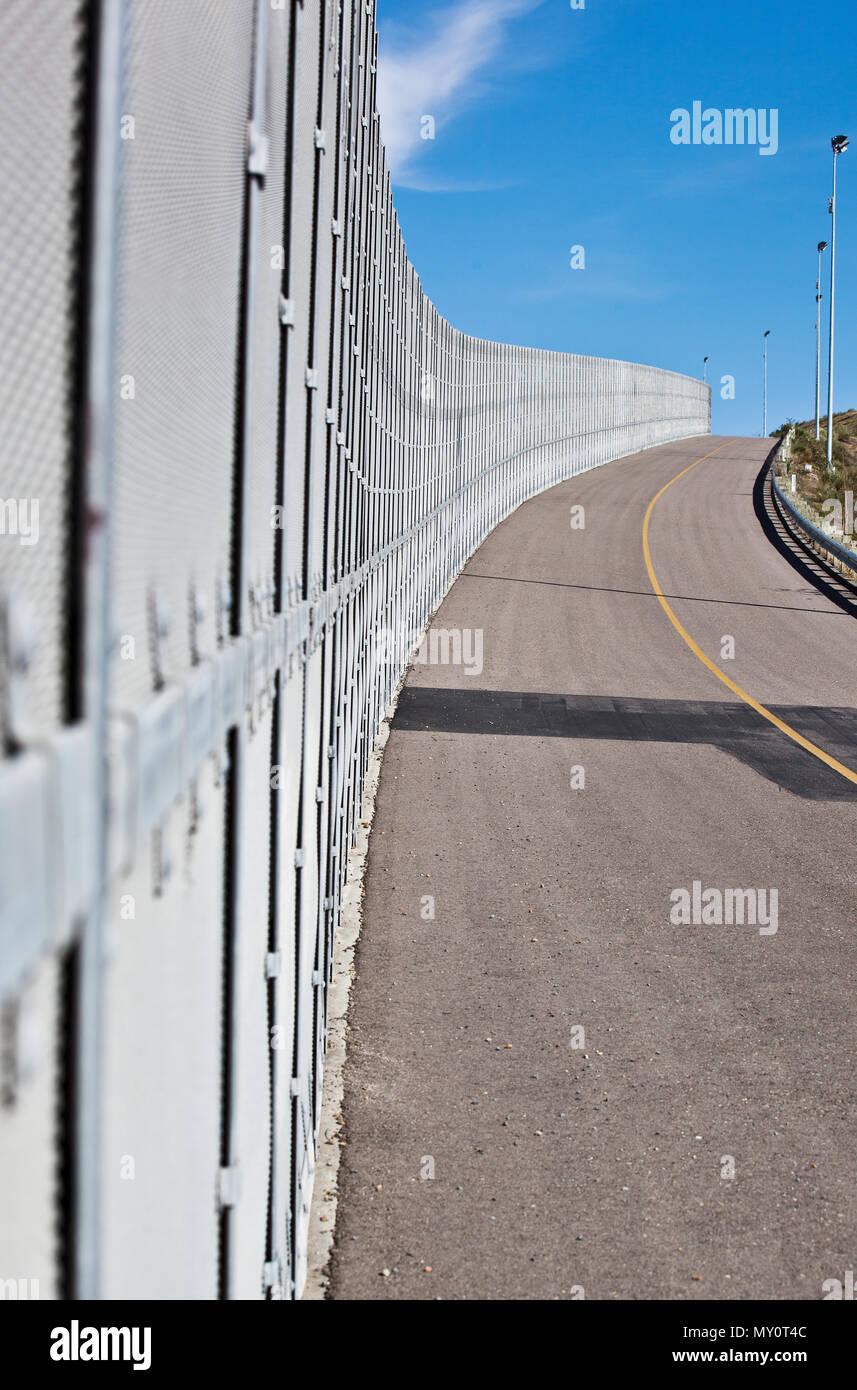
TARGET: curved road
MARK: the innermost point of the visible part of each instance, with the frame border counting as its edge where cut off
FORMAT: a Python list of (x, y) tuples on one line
[(603, 1161)]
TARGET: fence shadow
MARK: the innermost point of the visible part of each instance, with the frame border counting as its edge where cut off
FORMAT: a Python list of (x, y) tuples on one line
[(734, 728)]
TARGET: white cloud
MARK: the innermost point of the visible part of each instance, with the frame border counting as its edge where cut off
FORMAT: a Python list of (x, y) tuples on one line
[(434, 71)]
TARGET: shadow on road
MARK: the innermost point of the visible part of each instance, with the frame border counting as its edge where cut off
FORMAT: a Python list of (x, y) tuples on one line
[(732, 727), (801, 557)]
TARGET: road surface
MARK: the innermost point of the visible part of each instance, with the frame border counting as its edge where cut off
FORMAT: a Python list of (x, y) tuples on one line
[(697, 1139)]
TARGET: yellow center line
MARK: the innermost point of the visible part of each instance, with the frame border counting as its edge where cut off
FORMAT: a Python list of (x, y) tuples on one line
[(706, 660)]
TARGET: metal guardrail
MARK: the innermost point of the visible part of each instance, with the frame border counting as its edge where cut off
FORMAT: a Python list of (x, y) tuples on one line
[(242, 458), (811, 531)]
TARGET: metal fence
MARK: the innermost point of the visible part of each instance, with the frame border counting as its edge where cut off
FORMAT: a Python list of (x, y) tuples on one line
[(242, 456), (796, 522)]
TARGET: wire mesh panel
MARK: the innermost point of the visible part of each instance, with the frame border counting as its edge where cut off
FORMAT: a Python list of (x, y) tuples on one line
[(183, 167), (183, 191), (42, 50), (30, 1043), (305, 454), (162, 1068), (41, 134)]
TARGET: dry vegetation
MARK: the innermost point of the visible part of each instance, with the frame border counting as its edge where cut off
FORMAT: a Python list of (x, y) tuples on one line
[(820, 484)]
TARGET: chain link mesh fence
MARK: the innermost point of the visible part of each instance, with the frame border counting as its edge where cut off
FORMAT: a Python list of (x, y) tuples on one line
[(259, 456)]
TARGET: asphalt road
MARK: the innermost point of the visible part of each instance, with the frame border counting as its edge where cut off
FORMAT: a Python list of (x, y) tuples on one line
[(602, 1162)]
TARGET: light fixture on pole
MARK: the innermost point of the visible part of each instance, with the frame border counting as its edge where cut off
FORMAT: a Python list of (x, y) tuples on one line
[(839, 144), (705, 371), (765, 385), (822, 246)]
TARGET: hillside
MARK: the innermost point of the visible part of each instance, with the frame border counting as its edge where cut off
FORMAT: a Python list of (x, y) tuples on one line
[(819, 484)]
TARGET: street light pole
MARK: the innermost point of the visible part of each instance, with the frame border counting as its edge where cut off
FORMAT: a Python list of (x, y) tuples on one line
[(705, 371), (765, 386), (839, 144), (822, 246)]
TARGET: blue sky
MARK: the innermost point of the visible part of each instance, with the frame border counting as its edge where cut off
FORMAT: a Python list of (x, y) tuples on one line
[(553, 130)]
